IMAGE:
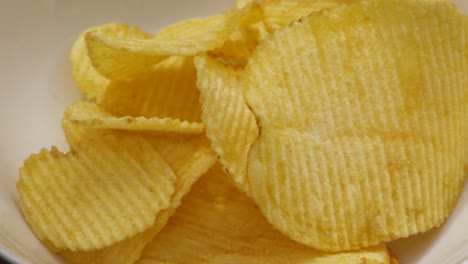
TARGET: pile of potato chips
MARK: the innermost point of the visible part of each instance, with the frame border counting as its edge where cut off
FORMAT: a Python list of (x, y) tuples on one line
[(285, 131)]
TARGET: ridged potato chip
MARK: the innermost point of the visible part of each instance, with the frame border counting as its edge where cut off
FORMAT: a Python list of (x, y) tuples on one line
[(153, 104), (242, 3), (169, 91), (361, 111), (89, 81), (91, 115), (194, 28), (75, 132), (189, 159), (238, 48), (125, 59), (109, 188), (123, 252), (243, 41), (216, 223), (230, 125), (280, 13)]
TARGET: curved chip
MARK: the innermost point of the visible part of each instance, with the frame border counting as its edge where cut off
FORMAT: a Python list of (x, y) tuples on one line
[(218, 224), (91, 115), (242, 3), (230, 125), (170, 91), (126, 59), (189, 159), (361, 112), (193, 28), (244, 39), (89, 81), (280, 13), (123, 252), (238, 48), (74, 132), (107, 189)]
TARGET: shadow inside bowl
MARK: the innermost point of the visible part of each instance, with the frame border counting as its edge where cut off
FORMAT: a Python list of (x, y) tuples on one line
[(414, 248)]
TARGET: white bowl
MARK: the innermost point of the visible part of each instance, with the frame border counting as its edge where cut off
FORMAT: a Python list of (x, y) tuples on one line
[(36, 86)]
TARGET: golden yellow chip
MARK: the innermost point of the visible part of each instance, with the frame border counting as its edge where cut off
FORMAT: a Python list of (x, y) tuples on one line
[(196, 29), (123, 252), (91, 115), (125, 59), (168, 92), (230, 125), (261, 30), (91, 82), (218, 224), (243, 41), (242, 3), (362, 123), (192, 29), (189, 158), (109, 188), (74, 132), (280, 13), (240, 45)]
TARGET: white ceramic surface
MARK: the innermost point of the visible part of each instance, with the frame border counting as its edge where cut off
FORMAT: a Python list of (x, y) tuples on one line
[(36, 86)]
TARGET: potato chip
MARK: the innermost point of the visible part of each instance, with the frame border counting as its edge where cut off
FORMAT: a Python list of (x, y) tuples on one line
[(153, 104), (91, 115), (107, 189), (393, 257), (123, 252), (261, 31), (243, 41), (74, 132), (218, 224), (362, 122), (230, 125), (189, 158), (280, 13), (242, 3), (192, 29), (91, 82), (241, 44), (170, 91), (125, 59)]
